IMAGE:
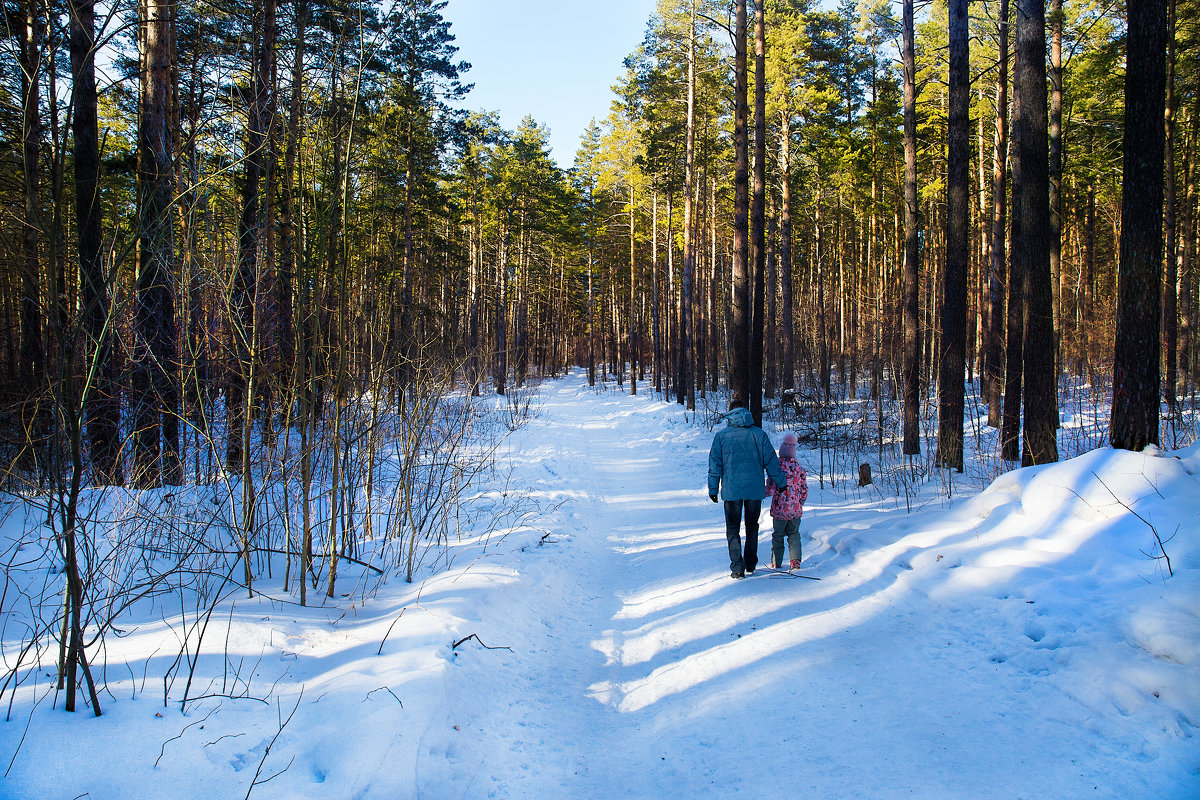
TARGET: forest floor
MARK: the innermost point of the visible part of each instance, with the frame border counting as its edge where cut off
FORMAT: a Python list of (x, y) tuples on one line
[(1019, 642)]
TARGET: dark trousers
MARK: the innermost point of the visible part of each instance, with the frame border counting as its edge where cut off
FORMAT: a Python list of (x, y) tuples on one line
[(742, 559)]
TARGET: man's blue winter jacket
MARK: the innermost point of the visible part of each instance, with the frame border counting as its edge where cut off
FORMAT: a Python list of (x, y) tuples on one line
[(740, 453)]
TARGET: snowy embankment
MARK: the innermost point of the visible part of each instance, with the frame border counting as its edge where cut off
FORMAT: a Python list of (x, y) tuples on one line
[(1026, 642)]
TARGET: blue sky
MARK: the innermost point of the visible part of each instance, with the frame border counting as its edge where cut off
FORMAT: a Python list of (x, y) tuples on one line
[(556, 60)]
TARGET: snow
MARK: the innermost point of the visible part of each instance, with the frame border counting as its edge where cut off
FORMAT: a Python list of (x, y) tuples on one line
[(1024, 642)]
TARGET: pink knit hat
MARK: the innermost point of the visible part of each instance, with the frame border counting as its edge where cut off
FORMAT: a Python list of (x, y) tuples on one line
[(787, 448)]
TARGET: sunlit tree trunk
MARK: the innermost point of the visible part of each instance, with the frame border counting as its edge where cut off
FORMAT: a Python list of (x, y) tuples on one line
[(685, 388), (994, 359), (1057, 278), (787, 334), (739, 344), (912, 247)]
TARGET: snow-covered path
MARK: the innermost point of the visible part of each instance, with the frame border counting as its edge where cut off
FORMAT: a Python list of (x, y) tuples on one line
[(639, 669), (539, 720), (1021, 644)]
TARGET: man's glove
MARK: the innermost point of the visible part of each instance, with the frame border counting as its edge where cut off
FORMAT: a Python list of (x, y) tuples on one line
[(712, 497)]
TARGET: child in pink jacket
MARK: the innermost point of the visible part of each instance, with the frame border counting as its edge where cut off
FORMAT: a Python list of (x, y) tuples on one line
[(787, 505)]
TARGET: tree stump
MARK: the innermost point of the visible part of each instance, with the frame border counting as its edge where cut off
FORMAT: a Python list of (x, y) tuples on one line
[(864, 474)]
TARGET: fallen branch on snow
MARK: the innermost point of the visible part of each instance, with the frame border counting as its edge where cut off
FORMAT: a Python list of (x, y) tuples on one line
[(475, 636)]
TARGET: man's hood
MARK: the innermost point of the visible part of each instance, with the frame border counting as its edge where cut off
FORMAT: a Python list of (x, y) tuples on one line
[(740, 417)]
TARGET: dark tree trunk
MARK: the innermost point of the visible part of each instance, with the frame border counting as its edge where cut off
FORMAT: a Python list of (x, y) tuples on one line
[(999, 257), (1170, 296), (1031, 235), (955, 273), (739, 340), (102, 404), (912, 246), (500, 376), (32, 362), (244, 326), (1187, 255), (288, 239), (758, 244), (591, 300), (155, 395), (1088, 279), (1010, 427), (1136, 388)]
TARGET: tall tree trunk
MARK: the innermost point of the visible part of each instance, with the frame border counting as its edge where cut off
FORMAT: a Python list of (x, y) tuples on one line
[(980, 269), (912, 246), (591, 300), (1031, 233), (1056, 172), (771, 330), (1088, 279), (1136, 361), (739, 348), (501, 366), (1010, 427), (102, 404), (155, 400), (1187, 255), (288, 229), (714, 282), (243, 325), (33, 366), (955, 273), (999, 256), (407, 345), (818, 272), (685, 390), (633, 286), (758, 243), (655, 299), (787, 335), (1170, 295)]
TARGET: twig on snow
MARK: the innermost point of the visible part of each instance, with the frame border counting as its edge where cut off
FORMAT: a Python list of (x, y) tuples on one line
[(163, 751), (1146, 522), (384, 689), (283, 723), (475, 636)]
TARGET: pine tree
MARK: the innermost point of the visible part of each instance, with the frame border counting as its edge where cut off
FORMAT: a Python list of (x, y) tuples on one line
[(1031, 235), (912, 247), (1136, 368), (954, 275), (155, 393)]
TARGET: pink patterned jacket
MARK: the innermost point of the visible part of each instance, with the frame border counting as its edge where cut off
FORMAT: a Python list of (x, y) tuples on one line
[(789, 503)]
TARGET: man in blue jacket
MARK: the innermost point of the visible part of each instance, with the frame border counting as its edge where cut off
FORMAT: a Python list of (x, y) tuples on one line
[(739, 456)]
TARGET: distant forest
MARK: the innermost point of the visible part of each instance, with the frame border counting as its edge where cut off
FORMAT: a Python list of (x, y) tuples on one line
[(262, 213)]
